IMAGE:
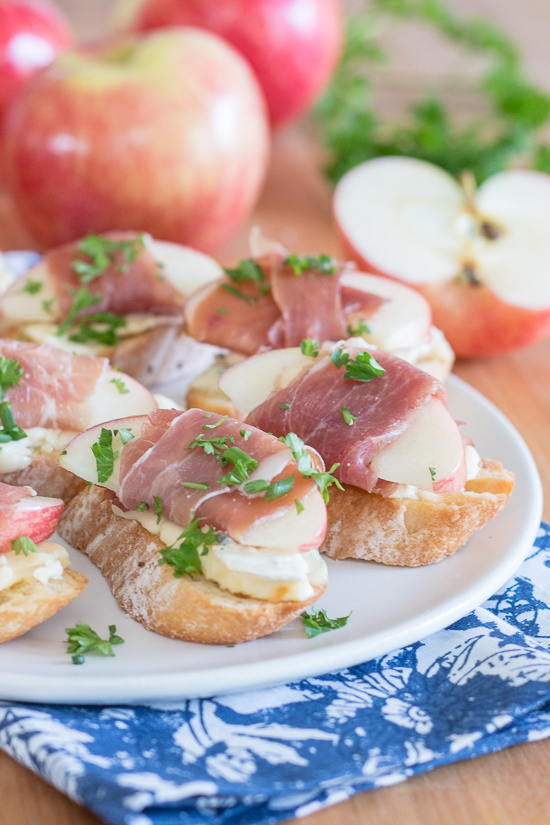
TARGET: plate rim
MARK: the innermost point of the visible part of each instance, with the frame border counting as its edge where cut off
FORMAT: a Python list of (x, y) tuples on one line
[(205, 682)]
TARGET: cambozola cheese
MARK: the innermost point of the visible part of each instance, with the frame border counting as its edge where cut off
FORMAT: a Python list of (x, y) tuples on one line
[(49, 563)]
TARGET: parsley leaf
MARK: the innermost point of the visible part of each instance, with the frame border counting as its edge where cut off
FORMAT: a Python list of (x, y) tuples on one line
[(303, 460), (318, 622), (11, 373), (324, 264), (299, 506), (339, 357), (214, 445), (245, 434), (364, 367), (82, 299), (274, 490), (184, 557), (32, 287), (125, 434), (243, 465), (217, 424), (158, 508), (247, 270), (432, 472), (142, 506), (120, 385), (105, 457), (347, 416), (309, 348), (361, 329), (100, 327), (24, 545), (47, 305), (82, 639), (99, 253), (284, 406)]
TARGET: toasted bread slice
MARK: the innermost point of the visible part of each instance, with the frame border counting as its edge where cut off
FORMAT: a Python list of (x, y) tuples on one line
[(412, 532), (46, 477), (194, 610), (204, 392), (29, 602)]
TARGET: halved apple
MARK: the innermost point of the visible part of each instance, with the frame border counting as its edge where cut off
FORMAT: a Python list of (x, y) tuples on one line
[(428, 455), (80, 460), (34, 516), (480, 258), (251, 381)]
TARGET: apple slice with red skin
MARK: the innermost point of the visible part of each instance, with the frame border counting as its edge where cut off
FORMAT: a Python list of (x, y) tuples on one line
[(432, 440), (34, 516), (481, 259)]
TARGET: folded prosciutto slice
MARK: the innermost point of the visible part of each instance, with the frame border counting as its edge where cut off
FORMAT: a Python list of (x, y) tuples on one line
[(353, 422), (200, 465), (277, 301), (58, 390)]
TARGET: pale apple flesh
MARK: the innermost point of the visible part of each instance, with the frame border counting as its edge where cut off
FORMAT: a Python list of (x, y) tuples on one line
[(480, 258), (36, 517), (432, 440), (304, 530), (107, 400)]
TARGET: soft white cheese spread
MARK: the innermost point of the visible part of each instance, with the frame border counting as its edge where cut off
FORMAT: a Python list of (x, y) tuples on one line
[(271, 575), (49, 563), (16, 455)]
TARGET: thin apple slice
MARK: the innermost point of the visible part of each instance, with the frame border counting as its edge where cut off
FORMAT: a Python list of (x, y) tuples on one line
[(403, 320), (299, 531), (185, 267), (34, 516), (80, 460), (30, 297), (428, 455), (116, 395), (251, 381)]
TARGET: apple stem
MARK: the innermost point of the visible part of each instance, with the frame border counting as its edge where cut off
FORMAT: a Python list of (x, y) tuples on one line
[(485, 227), (469, 275)]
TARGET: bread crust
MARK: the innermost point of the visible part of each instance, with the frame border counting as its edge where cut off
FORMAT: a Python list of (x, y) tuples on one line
[(204, 392), (28, 603), (194, 610), (46, 477), (413, 532)]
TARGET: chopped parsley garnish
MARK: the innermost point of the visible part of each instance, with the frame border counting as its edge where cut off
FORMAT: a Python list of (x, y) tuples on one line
[(24, 545), (105, 456), (275, 489), (158, 508), (309, 348), (299, 506), (243, 465), (222, 310), (361, 368), (32, 287), (284, 406), (142, 506), (120, 385), (82, 299), (324, 264), (82, 639), (303, 460), (318, 622), (347, 416), (11, 373), (183, 555), (47, 305), (362, 328), (195, 485), (100, 253), (247, 270), (214, 445), (100, 327), (217, 424), (432, 472), (245, 434)]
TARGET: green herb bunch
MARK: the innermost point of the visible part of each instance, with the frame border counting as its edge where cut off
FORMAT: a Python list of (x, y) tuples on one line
[(352, 132)]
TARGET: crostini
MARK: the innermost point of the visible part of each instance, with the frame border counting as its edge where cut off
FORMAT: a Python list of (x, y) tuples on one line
[(205, 529), (412, 490), (35, 576)]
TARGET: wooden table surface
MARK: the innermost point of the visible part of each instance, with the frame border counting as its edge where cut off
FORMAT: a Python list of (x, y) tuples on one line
[(506, 788)]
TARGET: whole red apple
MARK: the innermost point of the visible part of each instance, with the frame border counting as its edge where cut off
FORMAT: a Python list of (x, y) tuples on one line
[(481, 258), (32, 33), (165, 133), (292, 45)]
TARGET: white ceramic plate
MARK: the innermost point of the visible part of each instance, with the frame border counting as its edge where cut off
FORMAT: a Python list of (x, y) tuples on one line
[(392, 607)]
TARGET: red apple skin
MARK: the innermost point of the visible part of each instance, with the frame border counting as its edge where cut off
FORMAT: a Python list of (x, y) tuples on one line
[(292, 45), (165, 133), (475, 322), (31, 34), (36, 522)]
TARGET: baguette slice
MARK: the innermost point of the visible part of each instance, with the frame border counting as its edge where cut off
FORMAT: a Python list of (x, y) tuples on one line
[(193, 610), (46, 477), (204, 392), (29, 602), (412, 532)]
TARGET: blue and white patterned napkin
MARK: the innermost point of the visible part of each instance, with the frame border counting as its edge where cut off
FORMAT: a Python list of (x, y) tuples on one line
[(263, 756)]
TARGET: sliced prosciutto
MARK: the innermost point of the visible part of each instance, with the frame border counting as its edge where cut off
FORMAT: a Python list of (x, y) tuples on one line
[(383, 408), (157, 462), (125, 286), (54, 385)]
